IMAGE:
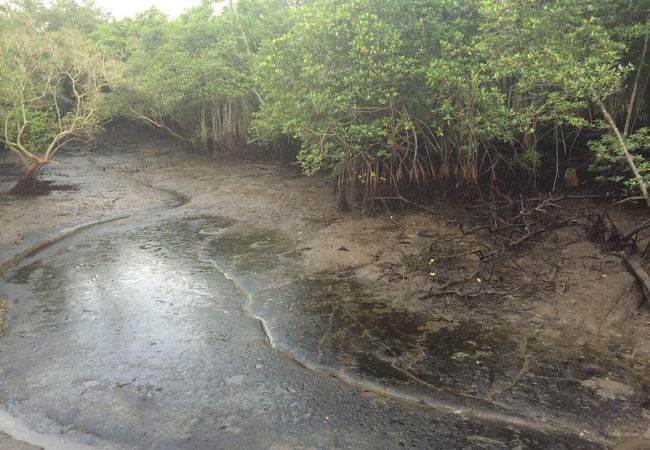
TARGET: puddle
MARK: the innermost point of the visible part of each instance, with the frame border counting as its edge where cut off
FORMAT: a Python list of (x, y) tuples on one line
[(23, 432), (253, 250)]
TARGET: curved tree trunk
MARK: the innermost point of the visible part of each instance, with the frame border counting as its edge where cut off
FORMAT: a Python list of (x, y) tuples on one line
[(29, 184)]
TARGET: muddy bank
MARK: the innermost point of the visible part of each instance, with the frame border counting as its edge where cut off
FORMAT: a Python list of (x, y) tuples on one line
[(259, 243)]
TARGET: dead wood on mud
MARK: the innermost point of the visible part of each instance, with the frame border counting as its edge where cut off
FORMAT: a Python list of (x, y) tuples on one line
[(480, 255), (633, 265), (632, 246)]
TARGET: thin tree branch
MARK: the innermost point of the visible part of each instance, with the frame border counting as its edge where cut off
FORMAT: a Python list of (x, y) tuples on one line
[(630, 108)]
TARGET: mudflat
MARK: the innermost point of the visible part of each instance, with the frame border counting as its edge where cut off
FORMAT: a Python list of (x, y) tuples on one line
[(163, 298)]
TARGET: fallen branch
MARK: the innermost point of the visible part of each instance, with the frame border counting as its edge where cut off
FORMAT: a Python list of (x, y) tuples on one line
[(539, 231), (160, 124), (636, 230), (474, 294), (634, 267), (527, 237)]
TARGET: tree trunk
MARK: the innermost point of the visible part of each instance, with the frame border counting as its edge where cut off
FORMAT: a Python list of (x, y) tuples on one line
[(625, 150), (29, 184), (34, 168)]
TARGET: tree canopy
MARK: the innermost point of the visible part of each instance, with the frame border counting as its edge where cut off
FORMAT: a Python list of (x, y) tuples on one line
[(400, 101), (52, 83)]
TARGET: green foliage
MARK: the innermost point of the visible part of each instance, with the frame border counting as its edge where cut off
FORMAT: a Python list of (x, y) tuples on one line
[(531, 159), (342, 81), (40, 130), (420, 93), (192, 74), (553, 58), (353, 80), (84, 16), (610, 165), (51, 85)]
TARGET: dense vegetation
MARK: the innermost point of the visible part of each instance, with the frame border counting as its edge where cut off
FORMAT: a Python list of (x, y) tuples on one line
[(401, 101)]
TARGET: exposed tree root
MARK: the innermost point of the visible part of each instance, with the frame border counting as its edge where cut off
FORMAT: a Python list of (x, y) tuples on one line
[(539, 231), (477, 259), (29, 185)]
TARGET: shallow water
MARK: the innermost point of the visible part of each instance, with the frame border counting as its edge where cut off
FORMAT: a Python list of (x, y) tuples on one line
[(176, 332)]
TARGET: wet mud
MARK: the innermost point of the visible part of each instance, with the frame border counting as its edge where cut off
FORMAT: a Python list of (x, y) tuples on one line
[(175, 321), (146, 333), (333, 322)]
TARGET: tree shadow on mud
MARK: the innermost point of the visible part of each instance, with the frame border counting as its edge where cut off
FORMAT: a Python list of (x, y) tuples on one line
[(23, 186)]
